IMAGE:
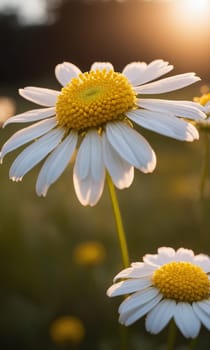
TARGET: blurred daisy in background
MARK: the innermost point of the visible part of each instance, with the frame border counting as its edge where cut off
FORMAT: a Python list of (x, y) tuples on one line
[(89, 253), (7, 108), (93, 115), (204, 100), (67, 330), (167, 285), (204, 127)]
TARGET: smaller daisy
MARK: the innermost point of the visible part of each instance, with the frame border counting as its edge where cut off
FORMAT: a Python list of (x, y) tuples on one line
[(168, 285), (204, 101)]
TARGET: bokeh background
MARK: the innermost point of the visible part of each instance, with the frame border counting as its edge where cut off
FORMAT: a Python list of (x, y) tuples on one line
[(57, 258)]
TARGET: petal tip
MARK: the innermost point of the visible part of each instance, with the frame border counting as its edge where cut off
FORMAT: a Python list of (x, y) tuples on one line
[(151, 165), (16, 179), (108, 293), (111, 291), (196, 78), (41, 194)]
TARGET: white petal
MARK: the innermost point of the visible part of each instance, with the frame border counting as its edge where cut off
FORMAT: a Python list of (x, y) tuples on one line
[(131, 146), (89, 170), (205, 306), (130, 317), (165, 255), (183, 254), (128, 286), (203, 316), (65, 71), (134, 71), (136, 272), (121, 172), (164, 124), (102, 65), (28, 134), (159, 317), (186, 320), (56, 163), (178, 108), (166, 252), (31, 116), (136, 264), (41, 96), (168, 84), (34, 153), (203, 261), (140, 73), (137, 299)]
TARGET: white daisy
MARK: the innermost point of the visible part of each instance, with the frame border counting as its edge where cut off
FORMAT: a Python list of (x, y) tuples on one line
[(170, 284), (94, 114), (204, 100)]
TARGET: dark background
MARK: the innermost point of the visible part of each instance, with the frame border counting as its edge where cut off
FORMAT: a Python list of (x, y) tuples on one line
[(83, 32)]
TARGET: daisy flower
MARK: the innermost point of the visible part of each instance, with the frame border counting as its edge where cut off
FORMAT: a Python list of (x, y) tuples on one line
[(92, 118), (167, 285), (67, 330), (204, 100)]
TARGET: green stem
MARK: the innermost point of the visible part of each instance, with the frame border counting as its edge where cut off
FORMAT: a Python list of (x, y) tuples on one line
[(171, 336), (123, 248), (119, 223), (192, 344), (204, 172)]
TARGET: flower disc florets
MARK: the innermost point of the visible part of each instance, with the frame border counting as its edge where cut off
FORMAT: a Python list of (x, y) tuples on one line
[(94, 98), (182, 281)]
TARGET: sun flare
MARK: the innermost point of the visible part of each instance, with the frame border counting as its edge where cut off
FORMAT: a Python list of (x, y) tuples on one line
[(193, 8), (191, 16)]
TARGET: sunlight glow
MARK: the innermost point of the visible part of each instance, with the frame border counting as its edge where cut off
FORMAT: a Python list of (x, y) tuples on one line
[(194, 7), (194, 14)]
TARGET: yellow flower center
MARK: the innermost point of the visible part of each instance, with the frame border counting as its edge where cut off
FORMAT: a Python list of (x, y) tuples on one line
[(94, 98), (182, 281), (203, 99)]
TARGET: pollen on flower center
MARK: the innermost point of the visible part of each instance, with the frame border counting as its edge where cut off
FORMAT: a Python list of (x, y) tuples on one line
[(182, 281), (94, 98)]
